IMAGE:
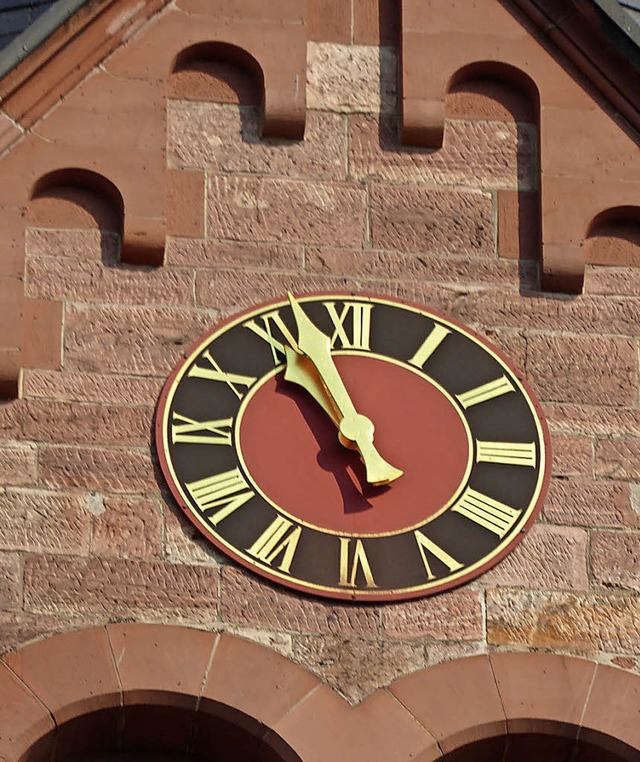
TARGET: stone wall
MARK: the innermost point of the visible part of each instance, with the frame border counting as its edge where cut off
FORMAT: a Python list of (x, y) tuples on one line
[(88, 532)]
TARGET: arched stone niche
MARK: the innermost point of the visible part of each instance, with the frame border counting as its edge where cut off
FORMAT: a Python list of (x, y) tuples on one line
[(146, 693)]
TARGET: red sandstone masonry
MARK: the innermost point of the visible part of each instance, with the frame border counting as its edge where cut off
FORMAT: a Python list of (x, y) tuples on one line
[(18, 463), (618, 458), (115, 588), (127, 527), (615, 560), (40, 521), (456, 615), (426, 221), (590, 503), (558, 366), (10, 582)]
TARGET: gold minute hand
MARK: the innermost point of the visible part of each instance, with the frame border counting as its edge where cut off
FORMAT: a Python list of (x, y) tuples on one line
[(354, 428)]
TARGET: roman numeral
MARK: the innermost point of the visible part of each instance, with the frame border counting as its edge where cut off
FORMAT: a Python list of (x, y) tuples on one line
[(509, 453), (485, 392), (280, 538), (218, 496), (487, 512), (436, 336), (214, 373), (425, 545), (361, 324), (359, 563), (265, 331), (187, 431)]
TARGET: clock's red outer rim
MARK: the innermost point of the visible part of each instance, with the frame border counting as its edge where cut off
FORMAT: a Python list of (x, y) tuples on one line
[(353, 596)]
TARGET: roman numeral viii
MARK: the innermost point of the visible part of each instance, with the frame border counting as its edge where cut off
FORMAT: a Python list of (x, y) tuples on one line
[(218, 496)]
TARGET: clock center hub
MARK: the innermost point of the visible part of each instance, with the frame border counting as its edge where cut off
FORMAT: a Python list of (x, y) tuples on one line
[(293, 456)]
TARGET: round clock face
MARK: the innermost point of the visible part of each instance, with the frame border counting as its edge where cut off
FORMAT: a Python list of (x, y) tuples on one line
[(353, 447)]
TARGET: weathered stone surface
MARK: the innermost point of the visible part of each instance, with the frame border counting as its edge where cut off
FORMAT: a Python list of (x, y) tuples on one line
[(18, 461), (264, 209), (231, 290), (584, 369), (564, 621), (618, 458), (83, 245), (246, 600), (590, 503), (615, 559), (455, 616), (617, 281), (572, 455), (104, 340), (592, 420), (18, 628), (351, 78), (91, 387), (183, 543), (356, 667), (227, 139), (418, 220), (65, 278), (154, 591), (475, 154), (439, 652), (187, 252), (71, 422), (98, 470), (548, 558), (127, 527), (44, 522), (10, 582)]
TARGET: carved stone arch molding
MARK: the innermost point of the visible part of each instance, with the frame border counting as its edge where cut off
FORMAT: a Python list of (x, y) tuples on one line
[(164, 689)]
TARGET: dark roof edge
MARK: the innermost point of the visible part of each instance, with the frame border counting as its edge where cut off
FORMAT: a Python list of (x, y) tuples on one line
[(626, 32), (35, 34)]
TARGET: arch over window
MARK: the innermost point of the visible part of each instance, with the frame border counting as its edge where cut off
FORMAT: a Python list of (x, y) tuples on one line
[(96, 695), (218, 72), (613, 237)]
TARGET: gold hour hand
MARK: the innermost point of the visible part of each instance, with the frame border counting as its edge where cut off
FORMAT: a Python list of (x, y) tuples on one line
[(355, 430)]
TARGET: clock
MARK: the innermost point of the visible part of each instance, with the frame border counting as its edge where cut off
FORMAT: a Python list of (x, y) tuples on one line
[(353, 447)]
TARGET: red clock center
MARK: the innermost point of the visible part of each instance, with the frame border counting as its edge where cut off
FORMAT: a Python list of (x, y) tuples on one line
[(292, 455)]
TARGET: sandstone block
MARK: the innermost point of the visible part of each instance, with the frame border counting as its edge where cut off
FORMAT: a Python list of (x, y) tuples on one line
[(98, 470), (454, 616), (97, 587), (10, 582), (227, 254), (257, 209), (101, 339), (426, 221), (248, 601), (183, 543), (44, 522), (356, 667), (91, 388), (561, 620), (18, 463), (185, 203), (55, 278), (615, 559), (223, 138), (572, 455), (485, 155), (590, 503), (615, 281), (618, 458), (128, 527), (559, 366), (549, 558), (18, 628), (85, 245), (594, 421), (70, 422), (351, 78)]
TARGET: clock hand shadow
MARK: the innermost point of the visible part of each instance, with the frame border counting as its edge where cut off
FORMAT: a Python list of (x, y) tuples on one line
[(344, 464)]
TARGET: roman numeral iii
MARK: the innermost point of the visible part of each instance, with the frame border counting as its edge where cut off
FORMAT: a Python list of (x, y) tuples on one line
[(508, 453)]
